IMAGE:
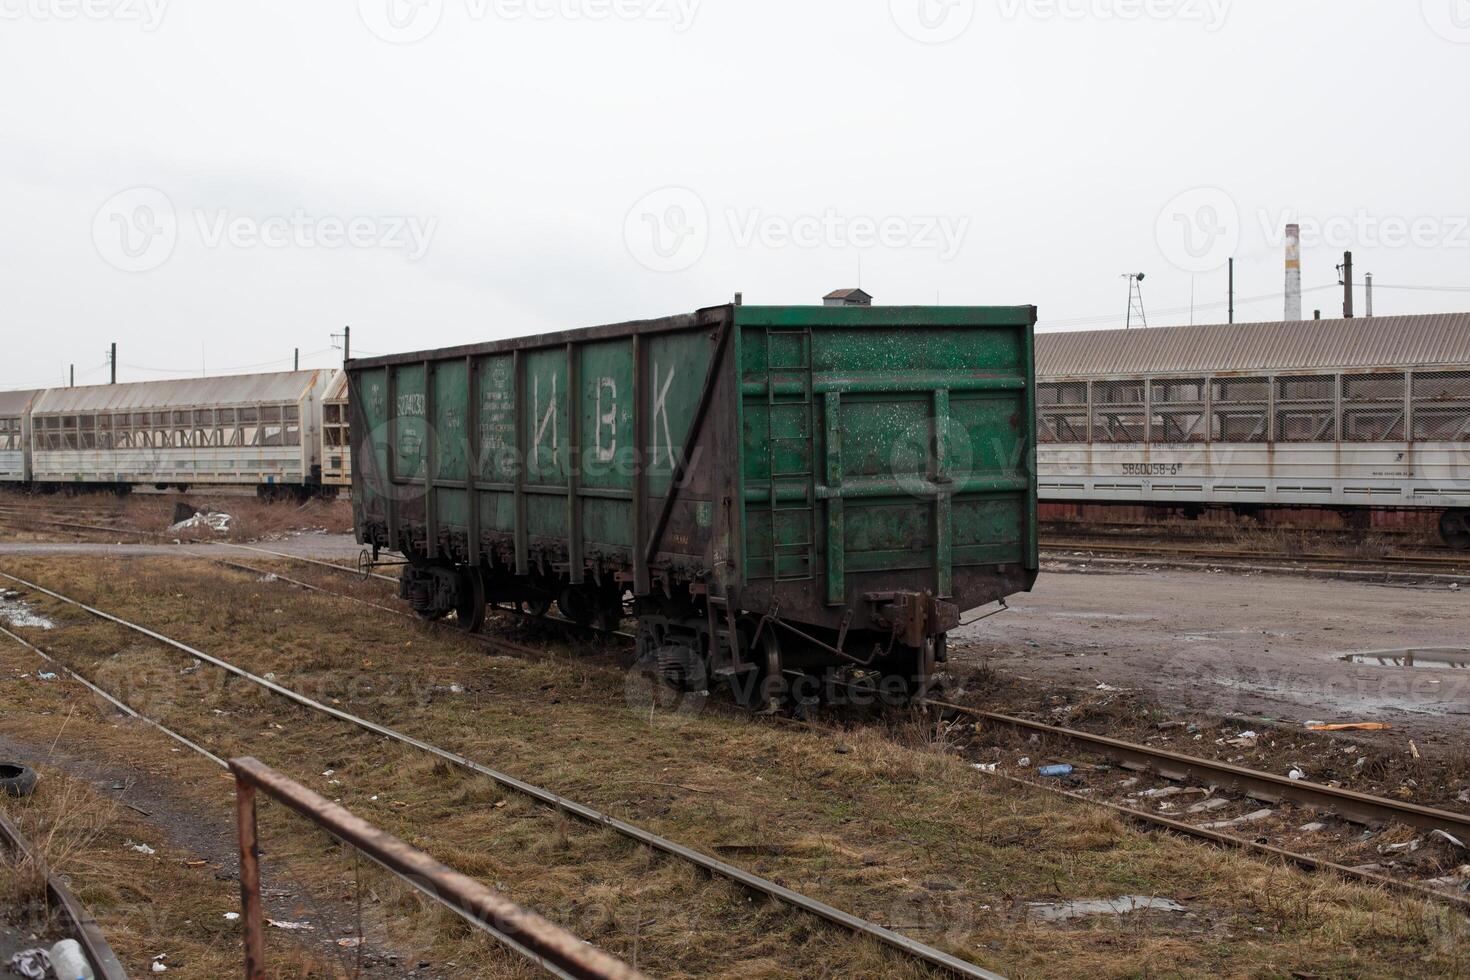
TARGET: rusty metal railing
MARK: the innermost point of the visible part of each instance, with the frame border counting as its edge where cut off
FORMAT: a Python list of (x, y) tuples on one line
[(545, 943)]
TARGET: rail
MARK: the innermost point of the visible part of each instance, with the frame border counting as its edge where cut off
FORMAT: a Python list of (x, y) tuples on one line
[(755, 883), (548, 945), (104, 961)]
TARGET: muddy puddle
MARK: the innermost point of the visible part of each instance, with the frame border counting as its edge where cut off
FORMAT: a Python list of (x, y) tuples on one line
[(1419, 658)]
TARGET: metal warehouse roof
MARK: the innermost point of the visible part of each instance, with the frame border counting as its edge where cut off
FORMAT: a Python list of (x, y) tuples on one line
[(244, 389), (337, 388), (1392, 341), (13, 403)]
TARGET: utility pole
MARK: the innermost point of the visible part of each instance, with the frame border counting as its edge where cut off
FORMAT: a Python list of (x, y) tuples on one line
[(73, 377), (112, 359), (1232, 289), (1368, 287), (296, 364), (1345, 272), (346, 338), (1135, 299)]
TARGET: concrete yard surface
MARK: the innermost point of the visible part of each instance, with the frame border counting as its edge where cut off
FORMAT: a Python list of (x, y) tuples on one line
[(1231, 643)]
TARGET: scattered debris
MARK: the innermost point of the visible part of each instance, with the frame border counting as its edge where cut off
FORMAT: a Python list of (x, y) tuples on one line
[(33, 964), (1313, 828), (1055, 772), (1209, 806), (292, 926), (218, 523), (1256, 817), (1117, 906), (1448, 838), (232, 916), (16, 780), (352, 942), (1362, 726), (1297, 774), (46, 675), (17, 612), (68, 961), (1109, 687), (990, 767), (142, 849), (1154, 794), (1025, 762)]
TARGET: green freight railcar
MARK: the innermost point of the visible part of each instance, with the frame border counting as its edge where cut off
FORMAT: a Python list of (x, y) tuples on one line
[(773, 492)]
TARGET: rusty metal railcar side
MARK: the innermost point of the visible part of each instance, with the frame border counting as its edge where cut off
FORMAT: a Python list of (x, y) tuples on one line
[(781, 489)]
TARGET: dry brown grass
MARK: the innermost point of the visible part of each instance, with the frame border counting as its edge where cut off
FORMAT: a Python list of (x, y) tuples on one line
[(252, 519), (900, 831)]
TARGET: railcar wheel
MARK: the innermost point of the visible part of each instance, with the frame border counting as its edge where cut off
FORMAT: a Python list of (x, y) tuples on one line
[(760, 689), (471, 606), (1454, 528)]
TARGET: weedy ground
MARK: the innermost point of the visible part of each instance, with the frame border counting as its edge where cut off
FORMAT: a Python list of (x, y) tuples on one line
[(901, 831), (252, 519)]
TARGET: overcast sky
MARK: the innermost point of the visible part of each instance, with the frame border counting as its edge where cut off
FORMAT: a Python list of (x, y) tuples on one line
[(214, 184)]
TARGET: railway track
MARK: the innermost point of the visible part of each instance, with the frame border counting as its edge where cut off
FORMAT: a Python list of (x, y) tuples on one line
[(1266, 787), (84, 928), (912, 948), (1426, 567), (1253, 784)]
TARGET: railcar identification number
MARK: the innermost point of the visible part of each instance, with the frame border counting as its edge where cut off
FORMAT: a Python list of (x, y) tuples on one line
[(1152, 469)]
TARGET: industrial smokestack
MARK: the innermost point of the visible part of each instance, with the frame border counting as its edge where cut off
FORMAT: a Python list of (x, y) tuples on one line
[(1293, 272)]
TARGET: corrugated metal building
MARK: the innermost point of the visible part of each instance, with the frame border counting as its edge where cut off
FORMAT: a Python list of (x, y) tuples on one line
[(14, 427), (1436, 340), (232, 391)]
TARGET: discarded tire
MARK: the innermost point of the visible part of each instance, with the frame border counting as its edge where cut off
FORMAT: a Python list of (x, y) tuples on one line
[(17, 780)]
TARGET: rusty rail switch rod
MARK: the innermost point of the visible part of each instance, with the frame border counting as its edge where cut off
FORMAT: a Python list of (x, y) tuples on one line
[(543, 941)]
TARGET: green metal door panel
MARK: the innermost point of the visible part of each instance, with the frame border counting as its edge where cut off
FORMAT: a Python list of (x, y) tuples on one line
[(988, 530), (885, 436), (544, 402), (451, 434), (372, 398), (498, 512), (606, 406), (546, 516), (410, 424), (607, 525), (677, 366), (453, 508), (497, 420), (987, 435), (912, 454)]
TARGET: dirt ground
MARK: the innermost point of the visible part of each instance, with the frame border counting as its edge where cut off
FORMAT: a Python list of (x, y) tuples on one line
[(1234, 644), (908, 834)]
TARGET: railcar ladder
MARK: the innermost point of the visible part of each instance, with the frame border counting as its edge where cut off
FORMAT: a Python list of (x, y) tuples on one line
[(797, 345)]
